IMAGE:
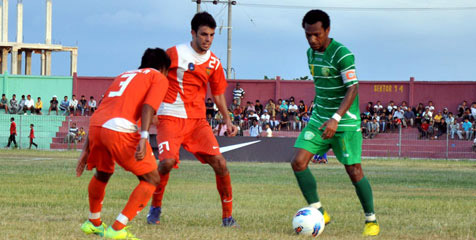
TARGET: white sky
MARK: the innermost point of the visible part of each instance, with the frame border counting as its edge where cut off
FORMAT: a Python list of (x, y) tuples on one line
[(388, 44)]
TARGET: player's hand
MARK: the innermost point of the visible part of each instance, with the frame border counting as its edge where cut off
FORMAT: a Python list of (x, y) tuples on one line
[(82, 160), (141, 149), (330, 128), (155, 120), (231, 129)]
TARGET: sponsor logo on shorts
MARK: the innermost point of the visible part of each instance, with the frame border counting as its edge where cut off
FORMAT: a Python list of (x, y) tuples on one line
[(227, 201), (215, 147), (308, 135)]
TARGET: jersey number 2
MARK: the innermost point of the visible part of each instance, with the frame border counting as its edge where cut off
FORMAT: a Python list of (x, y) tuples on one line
[(123, 85)]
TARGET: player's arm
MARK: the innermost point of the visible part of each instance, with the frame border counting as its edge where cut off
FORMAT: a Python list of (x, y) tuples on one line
[(220, 101), (148, 113), (83, 158)]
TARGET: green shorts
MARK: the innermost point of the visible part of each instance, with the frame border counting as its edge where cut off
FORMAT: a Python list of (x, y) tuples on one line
[(347, 146)]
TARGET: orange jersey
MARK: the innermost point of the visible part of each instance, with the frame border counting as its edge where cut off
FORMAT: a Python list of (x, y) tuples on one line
[(188, 77), (121, 107)]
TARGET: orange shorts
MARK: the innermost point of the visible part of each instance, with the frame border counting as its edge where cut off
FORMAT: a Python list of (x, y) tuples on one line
[(195, 135), (108, 147)]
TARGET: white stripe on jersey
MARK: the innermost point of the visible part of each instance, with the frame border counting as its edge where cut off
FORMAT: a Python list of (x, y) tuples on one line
[(120, 125), (348, 54)]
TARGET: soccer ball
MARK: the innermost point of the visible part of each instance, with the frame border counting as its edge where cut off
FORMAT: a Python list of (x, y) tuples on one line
[(308, 221)]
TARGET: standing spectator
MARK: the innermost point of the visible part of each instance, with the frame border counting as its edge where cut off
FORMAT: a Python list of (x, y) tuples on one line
[(431, 129), (81, 134), (284, 121), (92, 105), (271, 107), (269, 132), (430, 106), (462, 108), (32, 136), (442, 128), (22, 103), (29, 105), (53, 105), (4, 103), (455, 127), (293, 109), (418, 117), (14, 107), (73, 106), (82, 105), (378, 108), (64, 105), (238, 93), (423, 129), (258, 107), (38, 106), (255, 129), (468, 129), (209, 107), (13, 133)]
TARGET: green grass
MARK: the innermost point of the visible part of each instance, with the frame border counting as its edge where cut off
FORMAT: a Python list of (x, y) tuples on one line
[(40, 198)]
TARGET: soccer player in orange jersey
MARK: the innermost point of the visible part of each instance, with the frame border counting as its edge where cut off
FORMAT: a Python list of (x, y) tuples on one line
[(114, 138), (181, 117)]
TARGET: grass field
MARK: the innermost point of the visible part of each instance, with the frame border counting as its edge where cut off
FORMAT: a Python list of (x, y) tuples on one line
[(40, 198)]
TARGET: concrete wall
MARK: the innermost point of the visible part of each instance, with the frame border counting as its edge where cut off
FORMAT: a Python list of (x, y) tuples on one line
[(91, 86), (37, 86)]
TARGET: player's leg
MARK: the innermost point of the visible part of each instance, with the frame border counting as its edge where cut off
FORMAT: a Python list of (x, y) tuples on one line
[(309, 143), (347, 147), (165, 166)]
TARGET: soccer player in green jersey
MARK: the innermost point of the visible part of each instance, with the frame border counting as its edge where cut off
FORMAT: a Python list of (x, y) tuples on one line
[(335, 120)]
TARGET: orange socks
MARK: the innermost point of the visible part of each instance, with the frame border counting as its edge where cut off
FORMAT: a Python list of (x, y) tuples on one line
[(137, 201), (159, 192), (96, 190), (224, 189)]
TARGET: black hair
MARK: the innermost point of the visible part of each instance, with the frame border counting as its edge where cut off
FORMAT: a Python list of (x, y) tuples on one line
[(155, 58), (12, 119), (203, 19), (315, 16), (32, 125)]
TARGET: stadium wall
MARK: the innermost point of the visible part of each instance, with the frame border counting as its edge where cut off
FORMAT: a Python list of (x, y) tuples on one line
[(443, 94), (37, 86)]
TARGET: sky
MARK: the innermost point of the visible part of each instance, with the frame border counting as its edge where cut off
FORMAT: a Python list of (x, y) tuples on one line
[(431, 40)]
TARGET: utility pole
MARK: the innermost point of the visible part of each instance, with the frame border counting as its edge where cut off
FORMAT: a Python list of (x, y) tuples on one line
[(230, 3)]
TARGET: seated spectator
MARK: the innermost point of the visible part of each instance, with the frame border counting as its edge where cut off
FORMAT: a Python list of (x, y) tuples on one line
[(73, 106), (237, 114), (14, 106), (220, 129), (29, 105), (38, 106), (374, 128), (467, 129), (72, 136), (378, 108), (64, 106), (467, 115), (445, 113), (420, 107), (442, 128), (269, 132), (265, 117), (462, 108), (234, 105), (305, 119), (450, 119), (4, 103), (22, 103), (255, 129), (83, 105), (364, 128), (408, 117), (398, 113), (473, 110), (418, 118), (92, 106), (249, 107), (81, 134), (437, 118), (218, 117), (431, 129), (209, 107), (278, 108), (383, 122), (302, 108), (274, 124), (258, 107), (427, 115), (369, 110), (423, 129), (310, 108), (404, 106), (296, 123), (283, 107), (53, 105), (430, 106), (391, 106), (293, 109), (474, 145), (284, 123), (271, 107), (253, 116), (455, 127)]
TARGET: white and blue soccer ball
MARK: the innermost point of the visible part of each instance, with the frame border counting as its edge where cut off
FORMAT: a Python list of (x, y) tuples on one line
[(308, 221)]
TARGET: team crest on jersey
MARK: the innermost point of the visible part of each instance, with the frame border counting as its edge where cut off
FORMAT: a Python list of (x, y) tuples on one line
[(208, 71), (308, 135), (325, 71), (191, 66)]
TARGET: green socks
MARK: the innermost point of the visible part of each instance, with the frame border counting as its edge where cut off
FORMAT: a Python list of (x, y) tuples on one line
[(364, 192), (307, 184)]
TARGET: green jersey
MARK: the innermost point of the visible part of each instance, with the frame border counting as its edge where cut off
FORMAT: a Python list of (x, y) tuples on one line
[(333, 72)]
